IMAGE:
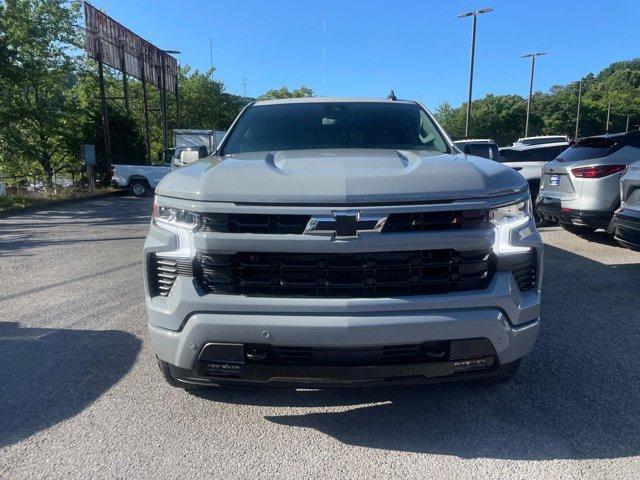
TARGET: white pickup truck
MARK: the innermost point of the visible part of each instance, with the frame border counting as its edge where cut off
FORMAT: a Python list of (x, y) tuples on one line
[(190, 145), (140, 179)]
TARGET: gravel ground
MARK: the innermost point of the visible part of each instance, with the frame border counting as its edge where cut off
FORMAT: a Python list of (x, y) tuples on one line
[(82, 396)]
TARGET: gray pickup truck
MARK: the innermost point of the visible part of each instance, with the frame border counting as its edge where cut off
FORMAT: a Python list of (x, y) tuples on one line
[(340, 241)]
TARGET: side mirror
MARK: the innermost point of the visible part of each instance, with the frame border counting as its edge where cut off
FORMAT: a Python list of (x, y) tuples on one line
[(189, 155)]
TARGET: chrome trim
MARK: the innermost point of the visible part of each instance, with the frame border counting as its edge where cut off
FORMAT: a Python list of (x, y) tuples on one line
[(330, 225)]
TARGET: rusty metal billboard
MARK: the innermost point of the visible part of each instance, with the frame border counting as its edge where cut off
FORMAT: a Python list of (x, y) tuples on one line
[(115, 45)]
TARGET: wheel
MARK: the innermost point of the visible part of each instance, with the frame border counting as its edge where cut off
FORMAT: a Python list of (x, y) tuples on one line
[(166, 374), (140, 188), (579, 230)]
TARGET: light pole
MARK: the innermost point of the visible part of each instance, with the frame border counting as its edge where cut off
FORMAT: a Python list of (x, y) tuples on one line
[(628, 117), (533, 56), (473, 14), (578, 114)]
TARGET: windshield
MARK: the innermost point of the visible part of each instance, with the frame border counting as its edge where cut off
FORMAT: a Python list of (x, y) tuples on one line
[(303, 126), (589, 148)]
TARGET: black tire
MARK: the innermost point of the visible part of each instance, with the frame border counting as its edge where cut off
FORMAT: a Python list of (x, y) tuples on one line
[(166, 374), (579, 230), (140, 188)]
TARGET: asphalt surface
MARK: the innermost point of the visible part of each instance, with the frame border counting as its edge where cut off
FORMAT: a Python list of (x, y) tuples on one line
[(81, 396)]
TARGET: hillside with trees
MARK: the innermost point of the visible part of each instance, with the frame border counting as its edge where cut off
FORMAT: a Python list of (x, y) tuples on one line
[(50, 106), (502, 117)]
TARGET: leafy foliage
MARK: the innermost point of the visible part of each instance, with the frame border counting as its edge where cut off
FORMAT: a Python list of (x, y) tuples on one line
[(50, 106), (502, 117), (284, 92)]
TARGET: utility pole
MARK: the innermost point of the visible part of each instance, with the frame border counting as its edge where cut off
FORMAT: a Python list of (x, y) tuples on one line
[(533, 56), (578, 114), (628, 117), (608, 116), (473, 14)]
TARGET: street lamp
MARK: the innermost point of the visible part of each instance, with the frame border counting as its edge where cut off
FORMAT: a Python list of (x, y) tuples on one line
[(473, 14), (533, 56)]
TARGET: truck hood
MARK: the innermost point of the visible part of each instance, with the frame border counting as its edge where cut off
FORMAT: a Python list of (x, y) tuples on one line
[(340, 176)]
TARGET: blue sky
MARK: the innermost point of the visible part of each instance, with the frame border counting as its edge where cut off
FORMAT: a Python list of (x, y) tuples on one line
[(417, 47)]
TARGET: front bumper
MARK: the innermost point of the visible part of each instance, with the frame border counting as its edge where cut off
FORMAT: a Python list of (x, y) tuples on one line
[(338, 377), (552, 209), (626, 227), (182, 349), (182, 323)]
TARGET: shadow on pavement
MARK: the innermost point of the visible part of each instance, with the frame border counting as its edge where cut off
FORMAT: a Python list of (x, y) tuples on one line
[(576, 396), (30, 229), (50, 375)]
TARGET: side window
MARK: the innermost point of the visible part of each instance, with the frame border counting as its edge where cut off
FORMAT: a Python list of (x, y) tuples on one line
[(511, 156), (479, 150), (543, 154)]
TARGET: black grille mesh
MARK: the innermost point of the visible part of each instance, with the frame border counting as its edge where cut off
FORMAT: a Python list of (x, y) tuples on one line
[(254, 223), (370, 274), (433, 221), (163, 272), (295, 224), (524, 268)]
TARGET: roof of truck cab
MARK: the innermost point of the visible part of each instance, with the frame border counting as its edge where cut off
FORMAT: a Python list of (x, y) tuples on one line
[(522, 147), (330, 100)]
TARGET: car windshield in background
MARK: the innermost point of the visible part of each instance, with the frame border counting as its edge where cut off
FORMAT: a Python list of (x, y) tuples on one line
[(540, 154), (319, 125), (590, 148), (486, 150)]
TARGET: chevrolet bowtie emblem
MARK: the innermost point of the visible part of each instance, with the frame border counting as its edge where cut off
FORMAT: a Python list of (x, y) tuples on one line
[(343, 224)]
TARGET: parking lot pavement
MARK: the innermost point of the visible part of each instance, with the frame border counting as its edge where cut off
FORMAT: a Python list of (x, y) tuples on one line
[(81, 395)]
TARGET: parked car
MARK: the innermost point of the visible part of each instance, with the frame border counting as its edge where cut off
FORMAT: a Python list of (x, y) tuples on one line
[(140, 179), (481, 147), (581, 188), (341, 241), (528, 160), (542, 139), (626, 220)]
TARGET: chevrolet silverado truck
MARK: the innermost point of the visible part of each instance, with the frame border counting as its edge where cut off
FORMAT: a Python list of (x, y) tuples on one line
[(338, 241)]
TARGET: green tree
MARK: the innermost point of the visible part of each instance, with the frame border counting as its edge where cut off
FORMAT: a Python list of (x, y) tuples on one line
[(204, 102), (38, 108), (284, 92)]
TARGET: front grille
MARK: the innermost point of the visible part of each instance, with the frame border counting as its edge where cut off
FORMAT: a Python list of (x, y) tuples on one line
[(295, 224), (433, 221), (363, 275), (340, 356), (163, 272), (254, 223), (524, 268)]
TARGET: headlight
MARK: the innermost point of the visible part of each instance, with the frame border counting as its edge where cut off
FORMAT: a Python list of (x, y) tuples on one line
[(506, 219), (175, 216)]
